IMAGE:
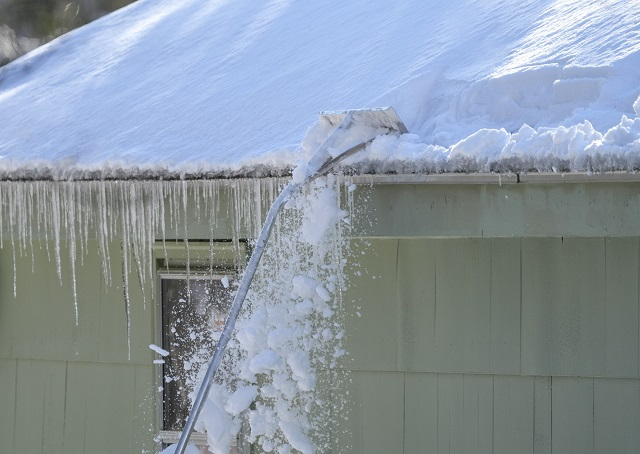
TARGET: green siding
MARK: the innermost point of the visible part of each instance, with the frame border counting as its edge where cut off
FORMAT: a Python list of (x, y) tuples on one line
[(504, 345), (421, 413), (478, 408), (107, 408), (67, 387), (493, 319), (40, 322), (542, 412), (621, 328), (492, 210), (40, 406), (450, 413), (8, 384), (373, 333), (616, 416)]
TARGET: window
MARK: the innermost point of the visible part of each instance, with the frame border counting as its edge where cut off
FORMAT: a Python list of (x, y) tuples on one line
[(193, 307), (192, 310)]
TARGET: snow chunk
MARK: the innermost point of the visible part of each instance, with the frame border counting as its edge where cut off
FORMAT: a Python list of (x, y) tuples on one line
[(322, 214), (300, 365), (241, 399), (482, 146), (299, 173), (190, 449), (220, 426), (297, 438), (265, 361), (159, 350), (304, 286), (323, 293)]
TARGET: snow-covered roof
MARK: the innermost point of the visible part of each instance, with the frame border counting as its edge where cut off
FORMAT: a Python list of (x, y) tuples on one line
[(211, 87)]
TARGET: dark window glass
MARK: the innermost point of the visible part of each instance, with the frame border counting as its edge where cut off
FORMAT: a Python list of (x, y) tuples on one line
[(190, 316)]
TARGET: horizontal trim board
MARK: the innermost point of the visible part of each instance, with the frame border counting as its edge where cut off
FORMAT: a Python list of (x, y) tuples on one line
[(578, 209), (496, 178)]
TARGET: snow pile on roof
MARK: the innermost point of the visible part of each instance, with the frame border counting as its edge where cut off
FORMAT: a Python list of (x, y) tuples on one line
[(164, 88)]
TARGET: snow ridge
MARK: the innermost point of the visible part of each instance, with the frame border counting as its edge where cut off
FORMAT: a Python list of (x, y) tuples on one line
[(224, 89)]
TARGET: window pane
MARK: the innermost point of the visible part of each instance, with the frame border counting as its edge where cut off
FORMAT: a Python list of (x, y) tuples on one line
[(190, 315)]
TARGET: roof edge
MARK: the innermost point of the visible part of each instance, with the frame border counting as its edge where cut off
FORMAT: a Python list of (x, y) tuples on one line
[(498, 178)]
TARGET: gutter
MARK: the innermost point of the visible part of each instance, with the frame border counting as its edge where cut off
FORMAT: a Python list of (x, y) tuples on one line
[(496, 178)]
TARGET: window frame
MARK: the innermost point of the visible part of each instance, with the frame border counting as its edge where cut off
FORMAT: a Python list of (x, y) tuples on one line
[(172, 261)]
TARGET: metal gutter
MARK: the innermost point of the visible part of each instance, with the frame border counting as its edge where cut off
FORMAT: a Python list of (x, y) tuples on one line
[(499, 179)]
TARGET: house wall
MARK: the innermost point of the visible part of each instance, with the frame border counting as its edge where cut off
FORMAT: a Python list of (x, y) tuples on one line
[(70, 388), (503, 345), (494, 318)]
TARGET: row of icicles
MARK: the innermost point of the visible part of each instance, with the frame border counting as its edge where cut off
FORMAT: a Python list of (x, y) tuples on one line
[(140, 214)]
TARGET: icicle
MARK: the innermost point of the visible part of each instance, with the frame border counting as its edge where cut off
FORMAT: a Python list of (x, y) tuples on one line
[(161, 219), (84, 198), (3, 205), (135, 230), (55, 210), (69, 203), (125, 264), (30, 211), (150, 233), (185, 234), (44, 194), (125, 291), (235, 228), (103, 233), (21, 221), (13, 244)]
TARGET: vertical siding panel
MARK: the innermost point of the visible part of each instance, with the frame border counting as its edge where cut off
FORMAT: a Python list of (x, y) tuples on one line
[(541, 285), (463, 305), (505, 306), (572, 419), (450, 413), (617, 416), (513, 415), (421, 413), (338, 386), (54, 401), (583, 318), (8, 385), (350, 438), (478, 414), (622, 307), (100, 397), (477, 305), (416, 297), (563, 310), (382, 412), (10, 309), (144, 407), (39, 418), (373, 295), (29, 402), (542, 416)]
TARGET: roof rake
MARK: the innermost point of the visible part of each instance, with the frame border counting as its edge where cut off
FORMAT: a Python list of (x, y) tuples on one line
[(353, 131)]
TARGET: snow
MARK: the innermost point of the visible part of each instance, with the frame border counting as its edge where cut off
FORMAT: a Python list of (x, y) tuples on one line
[(190, 449), (240, 400), (205, 88), (159, 350), (272, 373)]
